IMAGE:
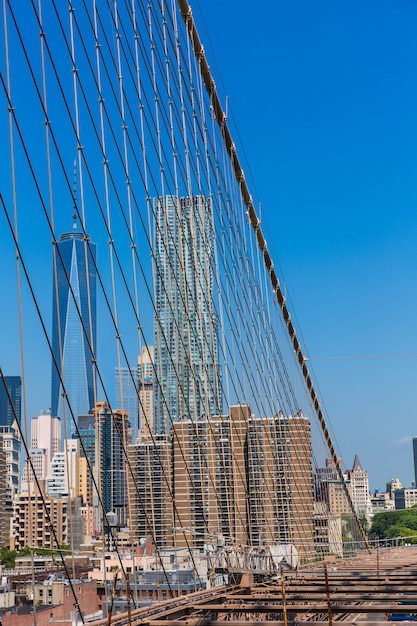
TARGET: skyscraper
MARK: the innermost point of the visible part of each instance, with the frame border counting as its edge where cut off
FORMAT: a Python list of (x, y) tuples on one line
[(45, 442), (86, 432), (113, 435), (134, 392), (74, 322), (10, 417), (7, 409), (127, 395), (145, 379), (188, 377)]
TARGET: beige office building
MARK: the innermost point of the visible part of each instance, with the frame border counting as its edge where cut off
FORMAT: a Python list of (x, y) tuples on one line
[(358, 486), (281, 482), (34, 517), (244, 478), (209, 478)]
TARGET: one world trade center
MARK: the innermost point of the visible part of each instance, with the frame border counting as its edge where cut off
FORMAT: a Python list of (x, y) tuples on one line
[(73, 324)]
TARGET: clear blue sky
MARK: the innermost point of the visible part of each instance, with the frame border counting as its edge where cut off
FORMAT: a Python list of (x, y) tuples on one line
[(324, 95)]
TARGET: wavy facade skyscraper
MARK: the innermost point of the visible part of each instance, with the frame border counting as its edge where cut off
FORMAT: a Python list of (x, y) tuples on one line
[(73, 323), (188, 374)]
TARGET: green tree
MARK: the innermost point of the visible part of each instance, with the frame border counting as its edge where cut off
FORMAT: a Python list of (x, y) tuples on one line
[(389, 524), (8, 557)]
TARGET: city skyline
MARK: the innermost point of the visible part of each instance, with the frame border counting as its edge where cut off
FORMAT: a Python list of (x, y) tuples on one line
[(205, 212), (354, 213)]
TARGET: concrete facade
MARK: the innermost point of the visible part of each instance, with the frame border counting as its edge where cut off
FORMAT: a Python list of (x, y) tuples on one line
[(34, 516)]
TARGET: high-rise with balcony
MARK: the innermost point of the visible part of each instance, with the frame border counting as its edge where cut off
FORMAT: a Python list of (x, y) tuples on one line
[(73, 324), (187, 373), (11, 443), (210, 480)]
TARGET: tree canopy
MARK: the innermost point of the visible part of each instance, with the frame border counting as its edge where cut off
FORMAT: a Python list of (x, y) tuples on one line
[(389, 524), (8, 557)]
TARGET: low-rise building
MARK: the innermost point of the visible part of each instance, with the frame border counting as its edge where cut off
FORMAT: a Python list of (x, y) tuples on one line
[(405, 498), (57, 601), (382, 501)]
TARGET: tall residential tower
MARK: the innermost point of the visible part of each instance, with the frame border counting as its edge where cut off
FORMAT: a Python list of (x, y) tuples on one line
[(113, 435), (187, 373)]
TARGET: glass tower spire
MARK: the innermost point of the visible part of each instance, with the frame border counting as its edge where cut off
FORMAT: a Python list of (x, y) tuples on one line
[(73, 323)]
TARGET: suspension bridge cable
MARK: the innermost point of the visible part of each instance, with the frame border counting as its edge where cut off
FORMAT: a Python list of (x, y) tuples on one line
[(151, 148), (199, 51)]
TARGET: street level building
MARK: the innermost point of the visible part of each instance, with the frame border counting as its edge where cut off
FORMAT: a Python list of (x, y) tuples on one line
[(334, 491)]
